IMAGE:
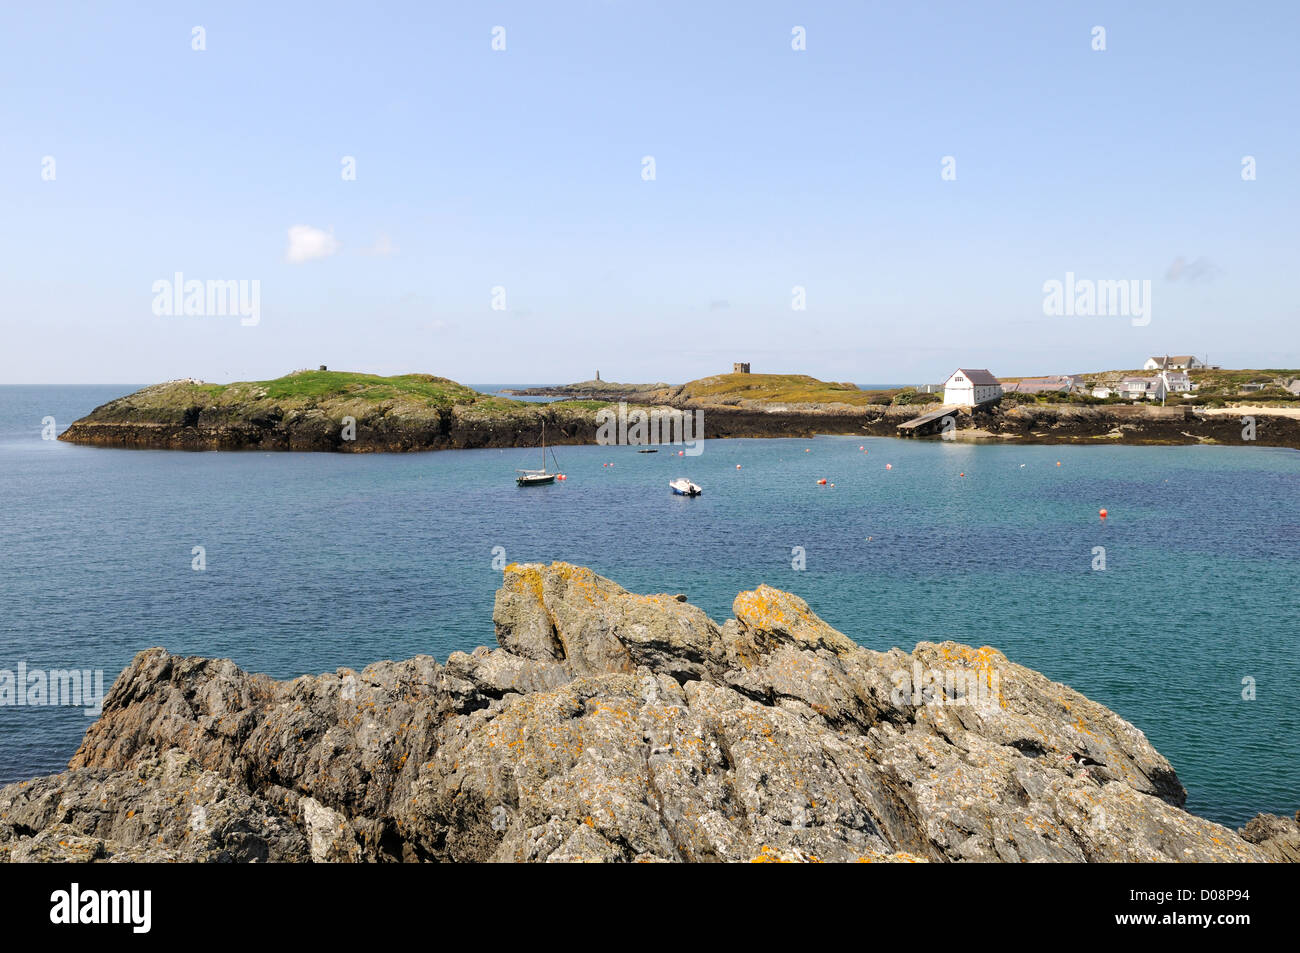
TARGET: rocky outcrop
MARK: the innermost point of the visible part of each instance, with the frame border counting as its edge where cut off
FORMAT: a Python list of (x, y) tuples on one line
[(1034, 423), (610, 726), (1279, 837)]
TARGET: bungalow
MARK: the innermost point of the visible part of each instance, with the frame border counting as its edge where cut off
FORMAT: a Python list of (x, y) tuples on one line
[(970, 388), (1179, 362), (1101, 390), (1042, 385), (1136, 388)]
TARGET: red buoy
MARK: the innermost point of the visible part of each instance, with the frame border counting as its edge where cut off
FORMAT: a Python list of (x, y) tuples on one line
[(821, 482), (1102, 513), (889, 466)]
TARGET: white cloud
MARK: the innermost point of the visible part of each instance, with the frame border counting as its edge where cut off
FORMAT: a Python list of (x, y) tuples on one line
[(306, 243)]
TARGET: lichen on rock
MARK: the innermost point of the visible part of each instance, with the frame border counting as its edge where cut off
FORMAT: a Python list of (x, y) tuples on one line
[(611, 726)]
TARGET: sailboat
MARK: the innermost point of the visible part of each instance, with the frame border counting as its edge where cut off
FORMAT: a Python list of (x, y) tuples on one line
[(538, 477)]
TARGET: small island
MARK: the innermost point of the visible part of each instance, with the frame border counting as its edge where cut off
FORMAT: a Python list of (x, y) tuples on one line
[(335, 411)]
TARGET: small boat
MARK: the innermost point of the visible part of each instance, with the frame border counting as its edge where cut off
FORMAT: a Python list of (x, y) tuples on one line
[(540, 477), (684, 487), (649, 450)]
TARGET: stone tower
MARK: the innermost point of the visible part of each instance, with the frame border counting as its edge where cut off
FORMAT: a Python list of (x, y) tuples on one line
[(739, 368)]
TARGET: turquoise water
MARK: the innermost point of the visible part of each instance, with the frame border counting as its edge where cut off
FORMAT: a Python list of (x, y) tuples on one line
[(321, 560)]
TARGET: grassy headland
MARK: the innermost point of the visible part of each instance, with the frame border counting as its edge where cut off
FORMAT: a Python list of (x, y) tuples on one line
[(357, 413), (350, 412)]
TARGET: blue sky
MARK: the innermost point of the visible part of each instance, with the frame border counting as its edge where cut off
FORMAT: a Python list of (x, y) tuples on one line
[(522, 169)]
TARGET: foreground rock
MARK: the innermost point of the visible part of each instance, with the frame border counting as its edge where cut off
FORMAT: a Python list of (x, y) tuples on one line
[(610, 726)]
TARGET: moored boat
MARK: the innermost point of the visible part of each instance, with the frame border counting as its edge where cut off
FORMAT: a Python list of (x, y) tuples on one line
[(538, 477), (684, 487)]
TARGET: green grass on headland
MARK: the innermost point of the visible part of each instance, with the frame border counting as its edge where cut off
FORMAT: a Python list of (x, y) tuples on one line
[(314, 385), (781, 389), (333, 393)]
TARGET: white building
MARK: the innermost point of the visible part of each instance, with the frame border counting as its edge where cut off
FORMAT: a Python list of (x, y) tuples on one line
[(1178, 362), (1178, 382), (1101, 390), (970, 388), (1042, 385), (1136, 388)]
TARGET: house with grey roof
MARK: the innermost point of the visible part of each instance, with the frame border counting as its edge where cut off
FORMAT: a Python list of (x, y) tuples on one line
[(1137, 388), (1177, 362), (971, 388), (1042, 385)]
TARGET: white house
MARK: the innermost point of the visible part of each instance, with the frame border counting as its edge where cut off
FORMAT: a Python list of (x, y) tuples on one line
[(1179, 362), (1101, 390), (1042, 385), (970, 388), (1136, 388), (1178, 382)]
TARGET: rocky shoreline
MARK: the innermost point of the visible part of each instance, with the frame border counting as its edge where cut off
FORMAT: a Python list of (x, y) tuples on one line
[(471, 427), (343, 412), (609, 726)]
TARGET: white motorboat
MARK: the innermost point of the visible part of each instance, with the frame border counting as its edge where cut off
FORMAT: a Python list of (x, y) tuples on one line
[(684, 487)]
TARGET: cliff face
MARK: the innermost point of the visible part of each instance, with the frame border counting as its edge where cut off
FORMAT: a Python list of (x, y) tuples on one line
[(615, 727), (458, 428)]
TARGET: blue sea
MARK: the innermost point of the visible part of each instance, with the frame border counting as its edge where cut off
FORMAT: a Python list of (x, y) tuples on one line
[(315, 561)]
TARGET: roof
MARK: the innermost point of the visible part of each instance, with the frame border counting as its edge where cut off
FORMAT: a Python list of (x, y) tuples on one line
[(1036, 385), (1173, 358), (978, 376)]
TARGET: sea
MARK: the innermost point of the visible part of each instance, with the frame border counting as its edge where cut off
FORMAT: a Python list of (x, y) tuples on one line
[(1179, 611)]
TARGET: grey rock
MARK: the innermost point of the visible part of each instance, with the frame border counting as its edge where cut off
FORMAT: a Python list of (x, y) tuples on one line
[(611, 726)]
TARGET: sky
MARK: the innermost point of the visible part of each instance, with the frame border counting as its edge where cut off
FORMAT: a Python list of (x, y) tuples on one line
[(920, 170)]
